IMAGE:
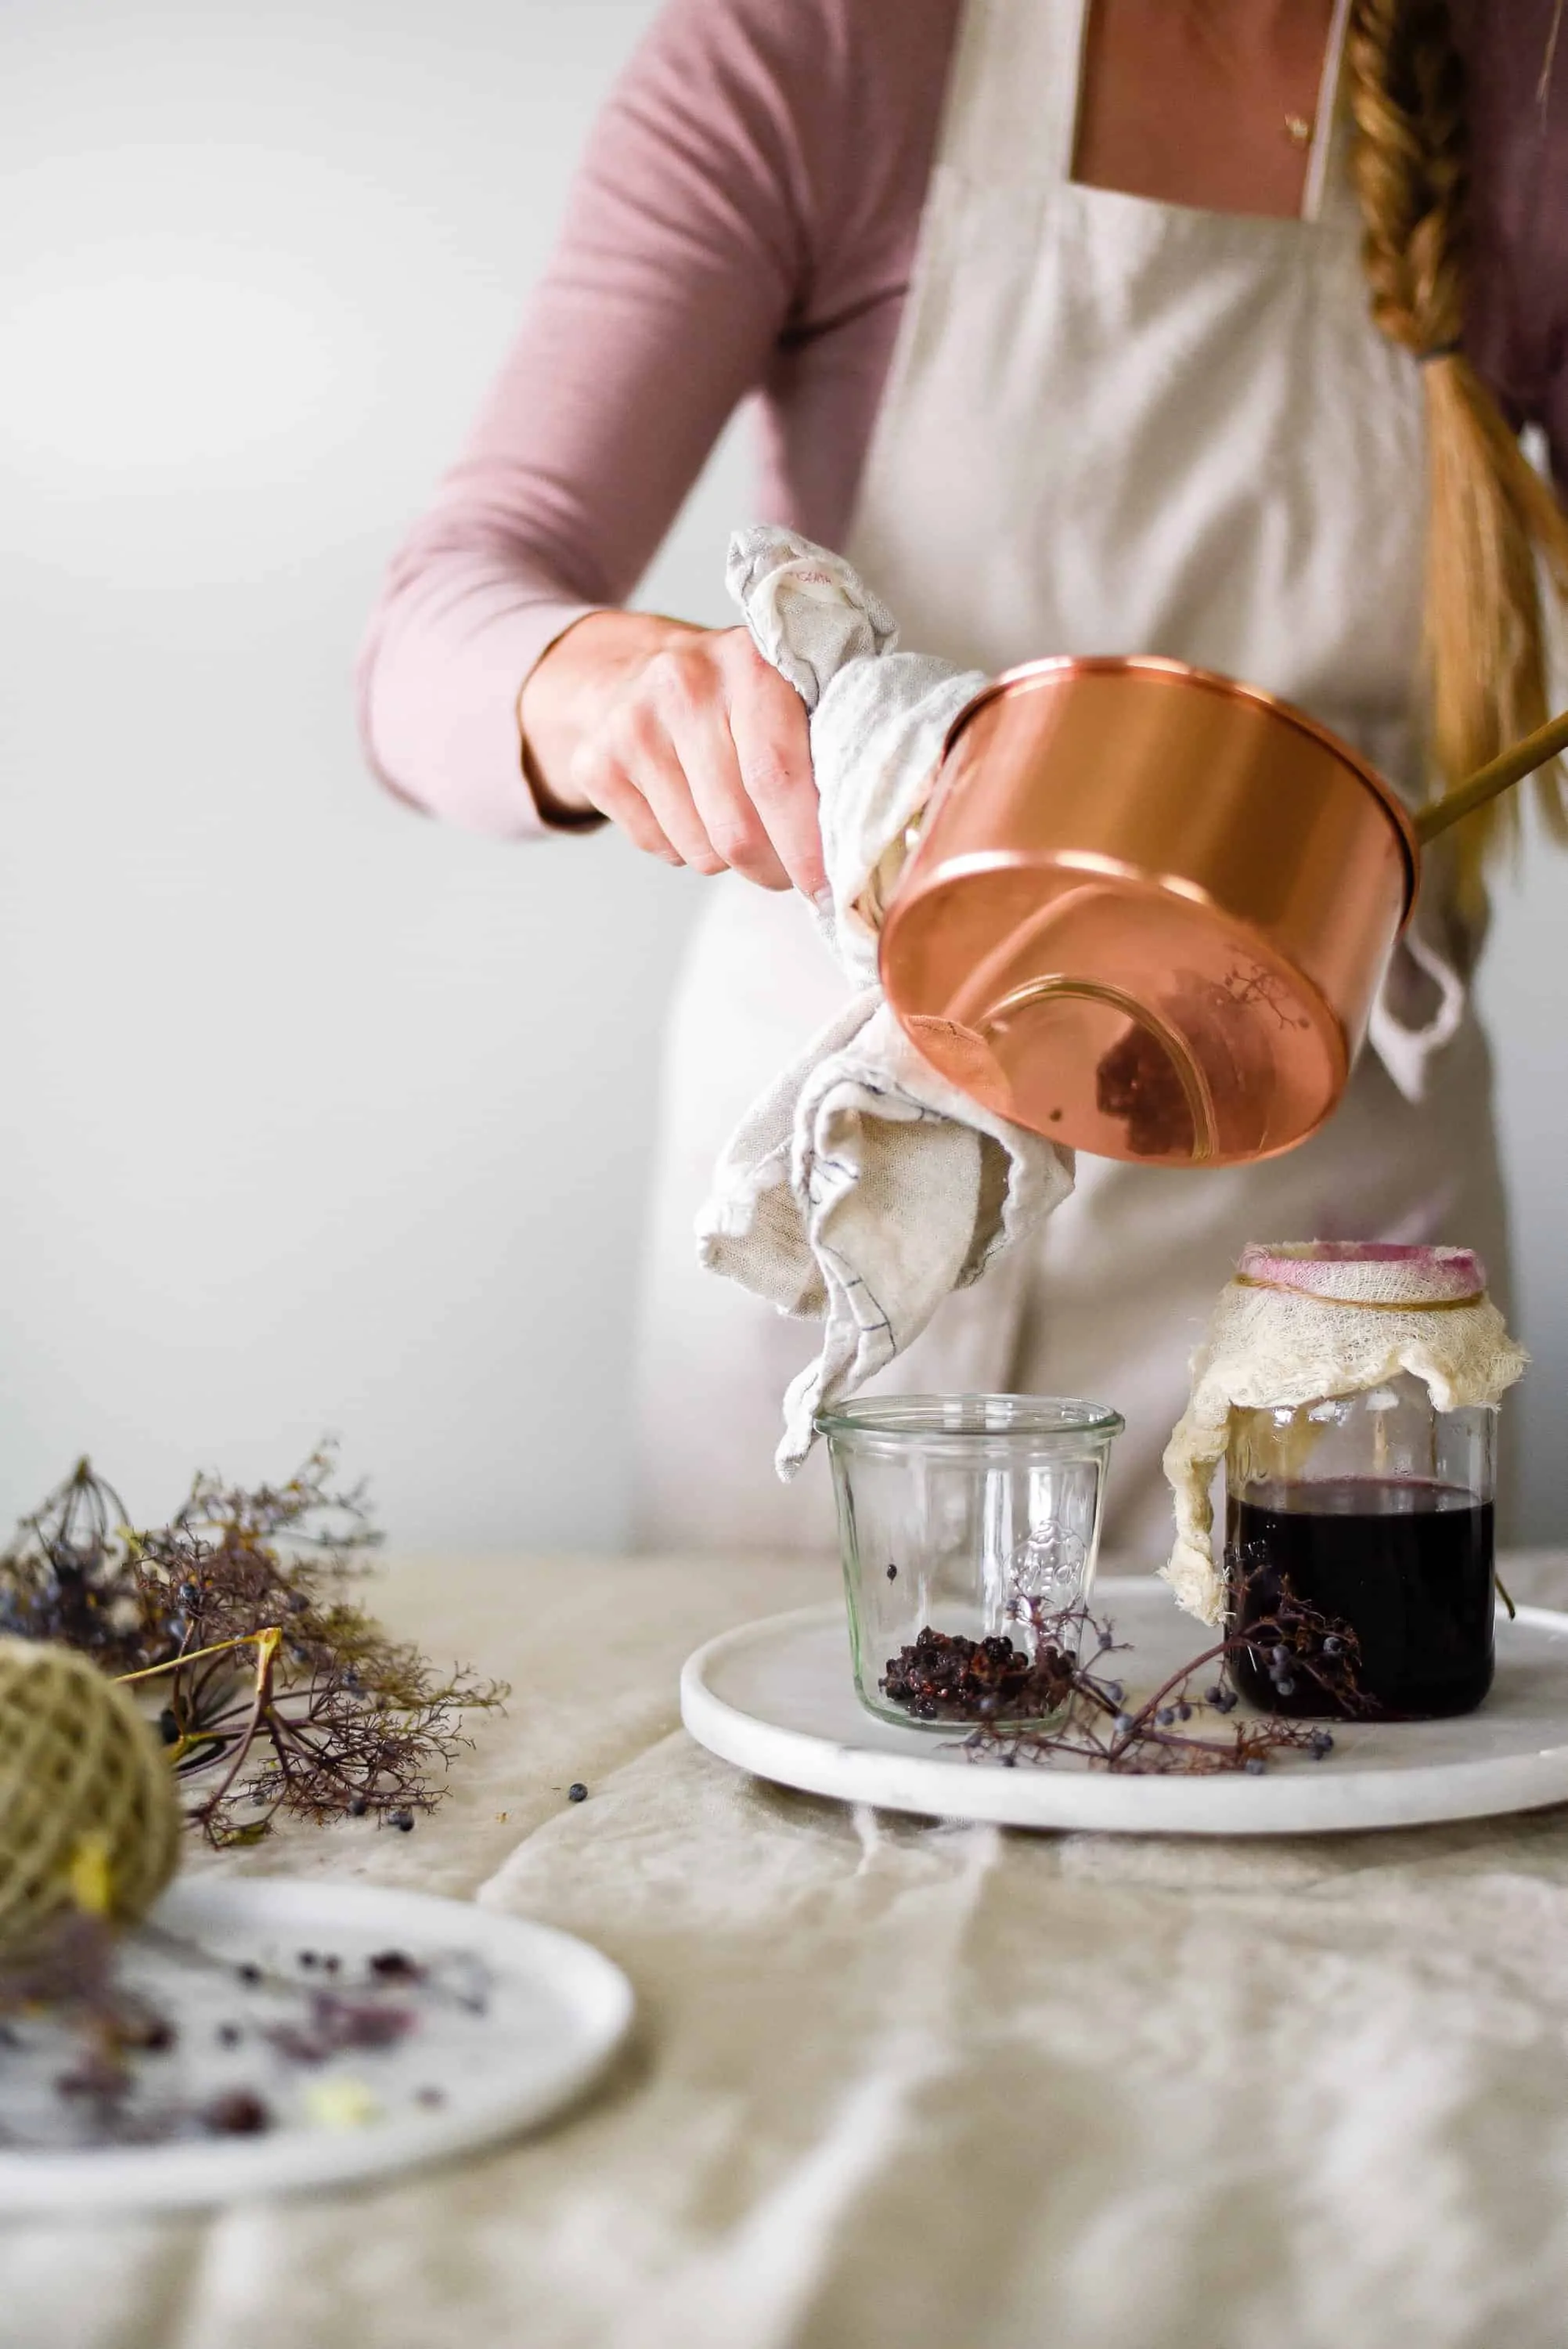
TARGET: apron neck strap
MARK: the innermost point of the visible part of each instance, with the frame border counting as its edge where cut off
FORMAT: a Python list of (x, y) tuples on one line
[(1330, 194), (1013, 88)]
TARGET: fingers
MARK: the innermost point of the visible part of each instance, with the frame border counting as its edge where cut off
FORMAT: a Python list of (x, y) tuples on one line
[(665, 768), (735, 830), (683, 754), (655, 764), (605, 784), (704, 759), (768, 727)]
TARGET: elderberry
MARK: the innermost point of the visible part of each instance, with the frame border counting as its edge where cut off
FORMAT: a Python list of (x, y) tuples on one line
[(944, 1675), (236, 2113)]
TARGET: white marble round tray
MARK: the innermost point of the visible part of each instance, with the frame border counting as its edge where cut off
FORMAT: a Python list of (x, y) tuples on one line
[(520, 2020), (777, 1698)]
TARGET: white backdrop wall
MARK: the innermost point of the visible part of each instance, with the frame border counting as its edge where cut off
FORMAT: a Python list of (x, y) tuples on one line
[(316, 1115)]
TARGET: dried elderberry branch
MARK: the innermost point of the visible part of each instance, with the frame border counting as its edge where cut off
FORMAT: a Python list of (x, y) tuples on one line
[(1096, 1728), (277, 1684), (1081, 1712), (69, 1576)]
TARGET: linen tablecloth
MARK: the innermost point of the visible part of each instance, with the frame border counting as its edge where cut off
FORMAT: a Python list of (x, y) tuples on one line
[(895, 2082)]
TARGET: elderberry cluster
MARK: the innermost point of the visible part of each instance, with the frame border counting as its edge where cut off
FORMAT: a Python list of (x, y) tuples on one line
[(944, 1676), (1277, 1664)]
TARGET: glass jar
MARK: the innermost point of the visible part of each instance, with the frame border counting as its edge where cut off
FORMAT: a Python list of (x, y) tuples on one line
[(1376, 1509), (966, 1522)]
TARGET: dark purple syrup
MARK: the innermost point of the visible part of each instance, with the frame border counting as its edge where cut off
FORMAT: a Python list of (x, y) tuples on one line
[(1406, 1565)]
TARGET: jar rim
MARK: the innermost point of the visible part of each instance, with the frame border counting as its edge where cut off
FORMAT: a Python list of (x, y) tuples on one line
[(1455, 1264), (970, 1418)]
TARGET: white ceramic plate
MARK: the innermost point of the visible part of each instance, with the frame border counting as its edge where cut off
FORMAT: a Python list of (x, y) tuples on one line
[(777, 1698), (514, 2022)]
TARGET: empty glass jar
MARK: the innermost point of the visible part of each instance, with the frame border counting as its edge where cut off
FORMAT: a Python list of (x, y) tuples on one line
[(964, 1521)]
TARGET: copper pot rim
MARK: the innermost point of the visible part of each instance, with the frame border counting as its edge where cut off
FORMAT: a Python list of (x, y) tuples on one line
[(1012, 681)]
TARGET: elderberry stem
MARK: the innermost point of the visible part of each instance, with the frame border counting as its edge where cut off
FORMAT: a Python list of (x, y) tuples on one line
[(194, 1655), (267, 1644), (1179, 1679)]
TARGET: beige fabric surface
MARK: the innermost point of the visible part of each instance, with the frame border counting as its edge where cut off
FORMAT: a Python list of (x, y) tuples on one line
[(900, 2083)]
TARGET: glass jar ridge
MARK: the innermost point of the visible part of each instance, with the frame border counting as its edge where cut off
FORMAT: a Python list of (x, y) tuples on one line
[(965, 1523)]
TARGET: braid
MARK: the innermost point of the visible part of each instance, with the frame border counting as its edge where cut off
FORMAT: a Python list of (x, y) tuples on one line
[(1490, 513)]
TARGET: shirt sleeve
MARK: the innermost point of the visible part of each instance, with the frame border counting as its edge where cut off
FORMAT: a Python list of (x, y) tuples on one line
[(684, 259)]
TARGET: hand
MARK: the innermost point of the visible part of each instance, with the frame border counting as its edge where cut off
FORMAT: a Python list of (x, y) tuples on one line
[(686, 738)]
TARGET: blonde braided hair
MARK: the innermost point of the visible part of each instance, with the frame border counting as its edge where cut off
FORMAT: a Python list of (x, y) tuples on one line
[(1491, 514)]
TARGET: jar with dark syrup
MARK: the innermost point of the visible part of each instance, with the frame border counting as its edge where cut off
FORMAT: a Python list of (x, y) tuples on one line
[(1376, 1510)]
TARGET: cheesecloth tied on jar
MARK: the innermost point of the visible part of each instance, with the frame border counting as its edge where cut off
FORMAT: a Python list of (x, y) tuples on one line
[(1296, 1324)]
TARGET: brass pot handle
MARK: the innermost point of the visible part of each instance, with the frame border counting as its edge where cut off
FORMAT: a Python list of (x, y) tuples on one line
[(1499, 775)]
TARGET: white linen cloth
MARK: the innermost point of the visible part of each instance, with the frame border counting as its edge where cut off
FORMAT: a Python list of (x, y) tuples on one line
[(902, 2085), (862, 1188)]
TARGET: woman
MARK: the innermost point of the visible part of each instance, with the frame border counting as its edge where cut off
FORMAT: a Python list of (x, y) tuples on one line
[(1079, 326)]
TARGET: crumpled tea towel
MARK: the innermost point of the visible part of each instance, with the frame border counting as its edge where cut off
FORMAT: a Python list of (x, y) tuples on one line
[(861, 1188)]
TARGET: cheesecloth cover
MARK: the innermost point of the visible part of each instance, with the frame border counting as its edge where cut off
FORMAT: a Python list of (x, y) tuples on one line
[(1297, 1323)]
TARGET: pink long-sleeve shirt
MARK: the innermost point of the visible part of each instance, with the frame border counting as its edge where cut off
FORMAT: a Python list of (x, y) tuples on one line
[(744, 223)]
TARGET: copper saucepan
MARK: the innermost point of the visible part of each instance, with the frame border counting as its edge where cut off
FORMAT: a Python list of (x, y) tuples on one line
[(1150, 909)]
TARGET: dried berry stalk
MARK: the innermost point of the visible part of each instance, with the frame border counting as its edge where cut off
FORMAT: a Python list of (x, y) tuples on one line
[(1173, 1730), (68, 1574), (280, 1695)]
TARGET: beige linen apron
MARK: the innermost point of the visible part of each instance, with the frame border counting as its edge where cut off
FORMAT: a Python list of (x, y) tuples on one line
[(1110, 426)]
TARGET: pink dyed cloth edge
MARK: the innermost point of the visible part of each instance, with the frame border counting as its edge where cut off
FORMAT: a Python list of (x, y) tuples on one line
[(1312, 1265)]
